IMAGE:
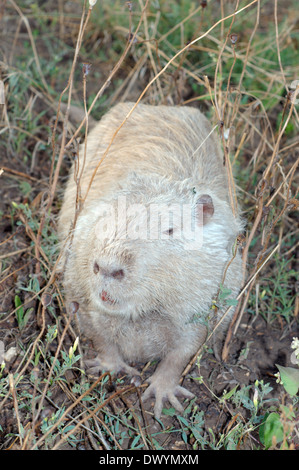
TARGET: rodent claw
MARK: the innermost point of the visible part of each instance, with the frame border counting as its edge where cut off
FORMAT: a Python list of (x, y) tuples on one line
[(169, 393), (96, 366), (136, 380), (93, 366)]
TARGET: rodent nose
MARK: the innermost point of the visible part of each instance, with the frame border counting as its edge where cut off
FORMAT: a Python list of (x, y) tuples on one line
[(106, 272), (117, 274)]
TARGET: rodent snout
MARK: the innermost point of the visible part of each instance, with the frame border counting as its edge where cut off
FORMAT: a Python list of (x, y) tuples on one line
[(108, 272)]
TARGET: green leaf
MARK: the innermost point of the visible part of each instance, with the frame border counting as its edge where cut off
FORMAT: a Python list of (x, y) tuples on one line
[(25, 187), (225, 292), (169, 411), (18, 301), (229, 394), (287, 412), (290, 379), (271, 428), (184, 437), (230, 302), (19, 310), (183, 421), (135, 441), (27, 316)]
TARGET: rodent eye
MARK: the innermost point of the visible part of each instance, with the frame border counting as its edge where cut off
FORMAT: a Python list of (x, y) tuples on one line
[(169, 231)]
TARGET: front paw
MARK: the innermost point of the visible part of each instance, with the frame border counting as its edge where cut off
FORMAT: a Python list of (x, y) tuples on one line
[(94, 366), (97, 366), (163, 390)]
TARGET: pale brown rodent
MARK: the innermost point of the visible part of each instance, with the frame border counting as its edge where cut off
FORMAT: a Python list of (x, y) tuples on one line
[(145, 288)]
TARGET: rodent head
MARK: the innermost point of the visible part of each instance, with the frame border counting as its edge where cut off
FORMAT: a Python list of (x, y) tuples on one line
[(144, 249)]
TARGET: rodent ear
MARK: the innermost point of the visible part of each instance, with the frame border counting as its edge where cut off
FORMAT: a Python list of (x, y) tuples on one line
[(204, 209)]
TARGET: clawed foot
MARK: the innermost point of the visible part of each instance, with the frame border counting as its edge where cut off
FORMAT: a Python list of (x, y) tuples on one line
[(162, 391), (96, 366)]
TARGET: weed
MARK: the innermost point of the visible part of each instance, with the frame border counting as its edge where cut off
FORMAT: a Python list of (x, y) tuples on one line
[(280, 426), (22, 316), (277, 298)]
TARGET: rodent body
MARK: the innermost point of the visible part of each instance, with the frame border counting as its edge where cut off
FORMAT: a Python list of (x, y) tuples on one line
[(144, 289)]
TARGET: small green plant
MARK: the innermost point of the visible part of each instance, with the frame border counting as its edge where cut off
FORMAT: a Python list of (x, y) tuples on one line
[(277, 427), (30, 219), (289, 376), (22, 315), (63, 428), (225, 297), (277, 297), (252, 397), (193, 425), (69, 360)]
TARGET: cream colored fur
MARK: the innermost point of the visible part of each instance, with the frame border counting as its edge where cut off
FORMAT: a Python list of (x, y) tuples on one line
[(144, 299)]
